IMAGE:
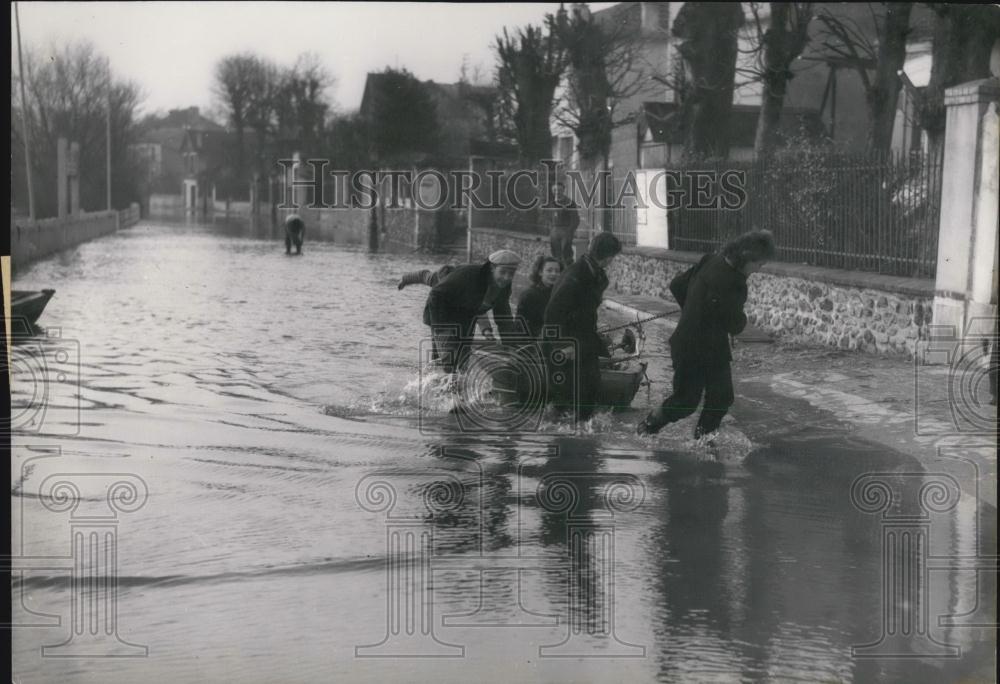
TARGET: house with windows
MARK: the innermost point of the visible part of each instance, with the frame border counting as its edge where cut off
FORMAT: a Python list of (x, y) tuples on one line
[(825, 99), (159, 146)]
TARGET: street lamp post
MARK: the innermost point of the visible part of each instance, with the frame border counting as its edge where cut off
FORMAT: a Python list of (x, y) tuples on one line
[(108, 131)]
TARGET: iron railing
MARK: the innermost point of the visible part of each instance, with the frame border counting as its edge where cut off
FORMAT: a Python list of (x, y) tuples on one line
[(857, 212)]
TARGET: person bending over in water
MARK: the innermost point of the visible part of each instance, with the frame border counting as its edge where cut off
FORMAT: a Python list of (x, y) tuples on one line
[(430, 279), (295, 233), (467, 293), (711, 295)]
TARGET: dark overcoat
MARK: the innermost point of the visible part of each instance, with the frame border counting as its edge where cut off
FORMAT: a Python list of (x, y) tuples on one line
[(531, 308), (455, 302), (576, 296), (712, 300)]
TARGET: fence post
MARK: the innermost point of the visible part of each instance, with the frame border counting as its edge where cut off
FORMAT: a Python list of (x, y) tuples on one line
[(967, 239), (652, 227)]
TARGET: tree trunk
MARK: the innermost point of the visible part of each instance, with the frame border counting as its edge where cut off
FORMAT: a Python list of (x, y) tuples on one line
[(963, 40), (709, 49), (883, 97), (772, 101)]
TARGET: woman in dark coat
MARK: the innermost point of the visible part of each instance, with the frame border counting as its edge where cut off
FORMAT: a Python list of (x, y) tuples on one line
[(711, 295), (545, 271)]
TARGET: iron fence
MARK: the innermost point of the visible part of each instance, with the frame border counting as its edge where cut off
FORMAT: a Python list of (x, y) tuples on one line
[(859, 212)]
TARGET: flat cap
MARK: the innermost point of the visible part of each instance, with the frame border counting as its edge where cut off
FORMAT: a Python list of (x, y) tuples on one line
[(504, 257)]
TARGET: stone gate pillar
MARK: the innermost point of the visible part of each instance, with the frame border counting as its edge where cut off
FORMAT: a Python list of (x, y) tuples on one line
[(62, 160), (967, 239), (73, 171)]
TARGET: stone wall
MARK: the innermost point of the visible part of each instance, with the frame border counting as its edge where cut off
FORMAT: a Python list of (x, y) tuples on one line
[(805, 304), (31, 241), (344, 226), (526, 245), (168, 205), (399, 227)]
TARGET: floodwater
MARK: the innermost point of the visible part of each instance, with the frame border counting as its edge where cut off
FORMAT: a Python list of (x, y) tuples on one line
[(290, 501)]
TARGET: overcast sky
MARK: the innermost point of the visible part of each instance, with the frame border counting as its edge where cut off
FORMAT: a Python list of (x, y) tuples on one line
[(170, 48)]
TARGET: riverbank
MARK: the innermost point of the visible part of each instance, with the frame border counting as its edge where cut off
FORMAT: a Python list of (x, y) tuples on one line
[(891, 400)]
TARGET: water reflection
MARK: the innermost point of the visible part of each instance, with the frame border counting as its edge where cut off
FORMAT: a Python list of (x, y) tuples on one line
[(207, 358)]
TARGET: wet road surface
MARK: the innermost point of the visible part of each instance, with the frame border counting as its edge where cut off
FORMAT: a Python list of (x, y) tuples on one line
[(299, 506)]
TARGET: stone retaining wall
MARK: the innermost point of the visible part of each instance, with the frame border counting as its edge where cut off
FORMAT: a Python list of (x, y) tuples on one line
[(844, 309), (31, 241), (344, 226)]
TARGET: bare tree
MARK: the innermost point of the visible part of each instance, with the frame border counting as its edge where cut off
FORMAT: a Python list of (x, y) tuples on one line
[(708, 35), (964, 37), (605, 69), (69, 90), (884, 54), (776, 48), (302, 104), (233, 87), (530, 65)]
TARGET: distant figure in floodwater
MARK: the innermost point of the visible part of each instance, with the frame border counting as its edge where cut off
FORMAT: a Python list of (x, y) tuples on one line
[(295, 233), (469, 292), (711, 295), (545, 271)]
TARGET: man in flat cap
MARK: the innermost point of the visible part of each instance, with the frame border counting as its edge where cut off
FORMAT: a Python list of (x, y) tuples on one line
[(467, 293)]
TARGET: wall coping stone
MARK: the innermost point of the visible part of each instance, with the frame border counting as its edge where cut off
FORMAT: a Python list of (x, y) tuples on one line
[(527, 237), (83, 216), (983, 90), (923, 287)]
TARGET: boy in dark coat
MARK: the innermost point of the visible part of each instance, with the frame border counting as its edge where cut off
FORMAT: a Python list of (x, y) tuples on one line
[(467, 293), (295, 233), (573, 308), (711, 296)]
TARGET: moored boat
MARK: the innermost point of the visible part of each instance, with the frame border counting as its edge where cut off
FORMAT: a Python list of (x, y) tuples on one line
[(26, 307), (519, 376)]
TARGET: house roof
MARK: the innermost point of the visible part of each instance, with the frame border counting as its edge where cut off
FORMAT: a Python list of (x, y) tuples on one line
[(169, 130), (190, 117), (167, 137)]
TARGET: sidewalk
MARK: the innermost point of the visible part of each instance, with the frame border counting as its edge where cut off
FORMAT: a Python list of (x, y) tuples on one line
[(933, 413)]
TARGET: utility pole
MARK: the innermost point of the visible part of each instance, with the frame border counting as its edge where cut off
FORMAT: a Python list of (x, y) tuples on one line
[(107, 64), (24, 119)]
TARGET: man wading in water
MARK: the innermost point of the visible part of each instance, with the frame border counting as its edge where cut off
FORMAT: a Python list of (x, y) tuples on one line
[(572, 307), (711, 296), (464, 295)]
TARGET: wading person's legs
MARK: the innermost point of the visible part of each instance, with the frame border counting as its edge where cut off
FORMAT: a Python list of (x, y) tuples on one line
[(718, 398), (689, 382), (589, 385)]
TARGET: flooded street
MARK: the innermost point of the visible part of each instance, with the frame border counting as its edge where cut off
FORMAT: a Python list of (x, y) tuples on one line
[(299, 509)]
